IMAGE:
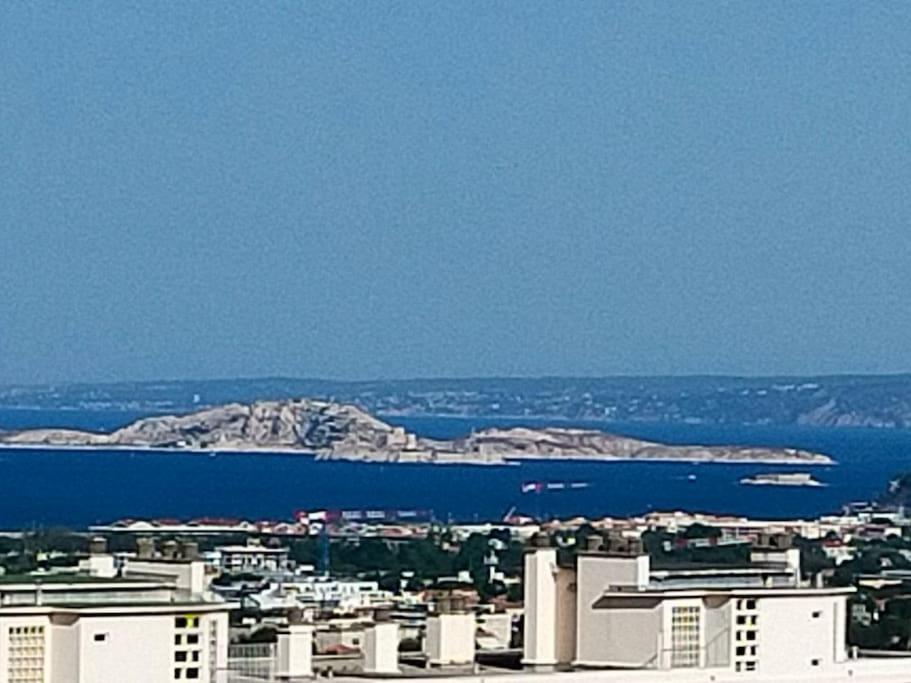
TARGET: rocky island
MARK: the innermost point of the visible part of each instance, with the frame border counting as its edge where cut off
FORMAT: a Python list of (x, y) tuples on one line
[(337, 431)]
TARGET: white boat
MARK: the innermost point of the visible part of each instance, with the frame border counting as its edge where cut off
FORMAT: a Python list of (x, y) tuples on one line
[(781, 479)]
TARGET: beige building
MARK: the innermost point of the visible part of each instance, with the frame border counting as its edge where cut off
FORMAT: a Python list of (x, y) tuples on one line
[(147, 625), (612, 609)]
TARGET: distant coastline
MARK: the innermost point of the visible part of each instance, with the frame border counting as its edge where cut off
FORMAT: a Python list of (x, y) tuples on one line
[(334, 431), (507, 461), (874, 401)]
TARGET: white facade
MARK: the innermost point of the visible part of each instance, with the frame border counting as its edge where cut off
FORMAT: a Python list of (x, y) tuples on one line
[(151, 644), (84, 629), (738, 620)]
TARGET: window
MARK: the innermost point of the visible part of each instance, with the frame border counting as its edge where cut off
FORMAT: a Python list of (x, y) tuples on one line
[(192, 638), (180, 656), (25, 654), (814, 662), (817, 614), (180, 622), (685, 636), (746, 635), (178, 674), (193, 673), (178, 639)]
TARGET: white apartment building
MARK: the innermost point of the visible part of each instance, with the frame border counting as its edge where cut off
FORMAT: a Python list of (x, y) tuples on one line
[(612, 609), (76, 628)]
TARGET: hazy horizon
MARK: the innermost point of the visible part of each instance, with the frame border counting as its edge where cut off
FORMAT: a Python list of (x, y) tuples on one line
[(462, 378), (490, 189)]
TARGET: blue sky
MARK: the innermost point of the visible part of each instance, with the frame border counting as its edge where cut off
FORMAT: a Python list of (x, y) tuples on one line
[(409, 189)]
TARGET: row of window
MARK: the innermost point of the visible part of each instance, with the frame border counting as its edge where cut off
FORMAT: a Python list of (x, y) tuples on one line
[(26, 631), (746, 654), (186, 639), (26, 654), (187, 656), (685, 637)]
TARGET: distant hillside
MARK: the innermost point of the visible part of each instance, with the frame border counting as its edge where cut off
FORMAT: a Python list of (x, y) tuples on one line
[(856, 401), (340, 431)]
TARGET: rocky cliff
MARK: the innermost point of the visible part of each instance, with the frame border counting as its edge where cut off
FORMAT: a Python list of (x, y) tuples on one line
[(340, 431)]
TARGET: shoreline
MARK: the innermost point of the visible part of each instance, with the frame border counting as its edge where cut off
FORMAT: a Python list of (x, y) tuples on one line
[(507, 461)]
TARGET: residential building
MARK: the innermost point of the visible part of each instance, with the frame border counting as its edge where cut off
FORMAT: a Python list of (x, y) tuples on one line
[(83, 629), (612, 609)]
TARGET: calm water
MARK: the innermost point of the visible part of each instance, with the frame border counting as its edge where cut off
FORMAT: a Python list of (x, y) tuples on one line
[(78, 488)]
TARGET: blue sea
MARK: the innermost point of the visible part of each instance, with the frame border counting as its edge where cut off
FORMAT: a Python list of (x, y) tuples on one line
[(77, 488)]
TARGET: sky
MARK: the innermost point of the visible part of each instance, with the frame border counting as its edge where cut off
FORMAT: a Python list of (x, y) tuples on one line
[(393, 190)]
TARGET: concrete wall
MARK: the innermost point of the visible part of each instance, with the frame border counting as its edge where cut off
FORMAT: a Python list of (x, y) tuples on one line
[(795, 631), (593, 576), (189, 576), (139, 649), (632, 638), (718, 616), (539, 645), (566, 605), (65, 665)]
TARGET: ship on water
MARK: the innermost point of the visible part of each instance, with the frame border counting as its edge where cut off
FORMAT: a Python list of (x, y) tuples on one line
[(781, 479), (542, 486)]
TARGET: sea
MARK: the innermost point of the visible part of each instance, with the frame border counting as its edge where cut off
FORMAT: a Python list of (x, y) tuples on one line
[(75, 488)]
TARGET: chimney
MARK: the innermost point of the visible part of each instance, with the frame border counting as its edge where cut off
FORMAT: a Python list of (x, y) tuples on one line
[(169, 550), (98, 545), (539, 650), (450, 639), (190, 550), (381, 648), (145, 548), (294, 652)]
